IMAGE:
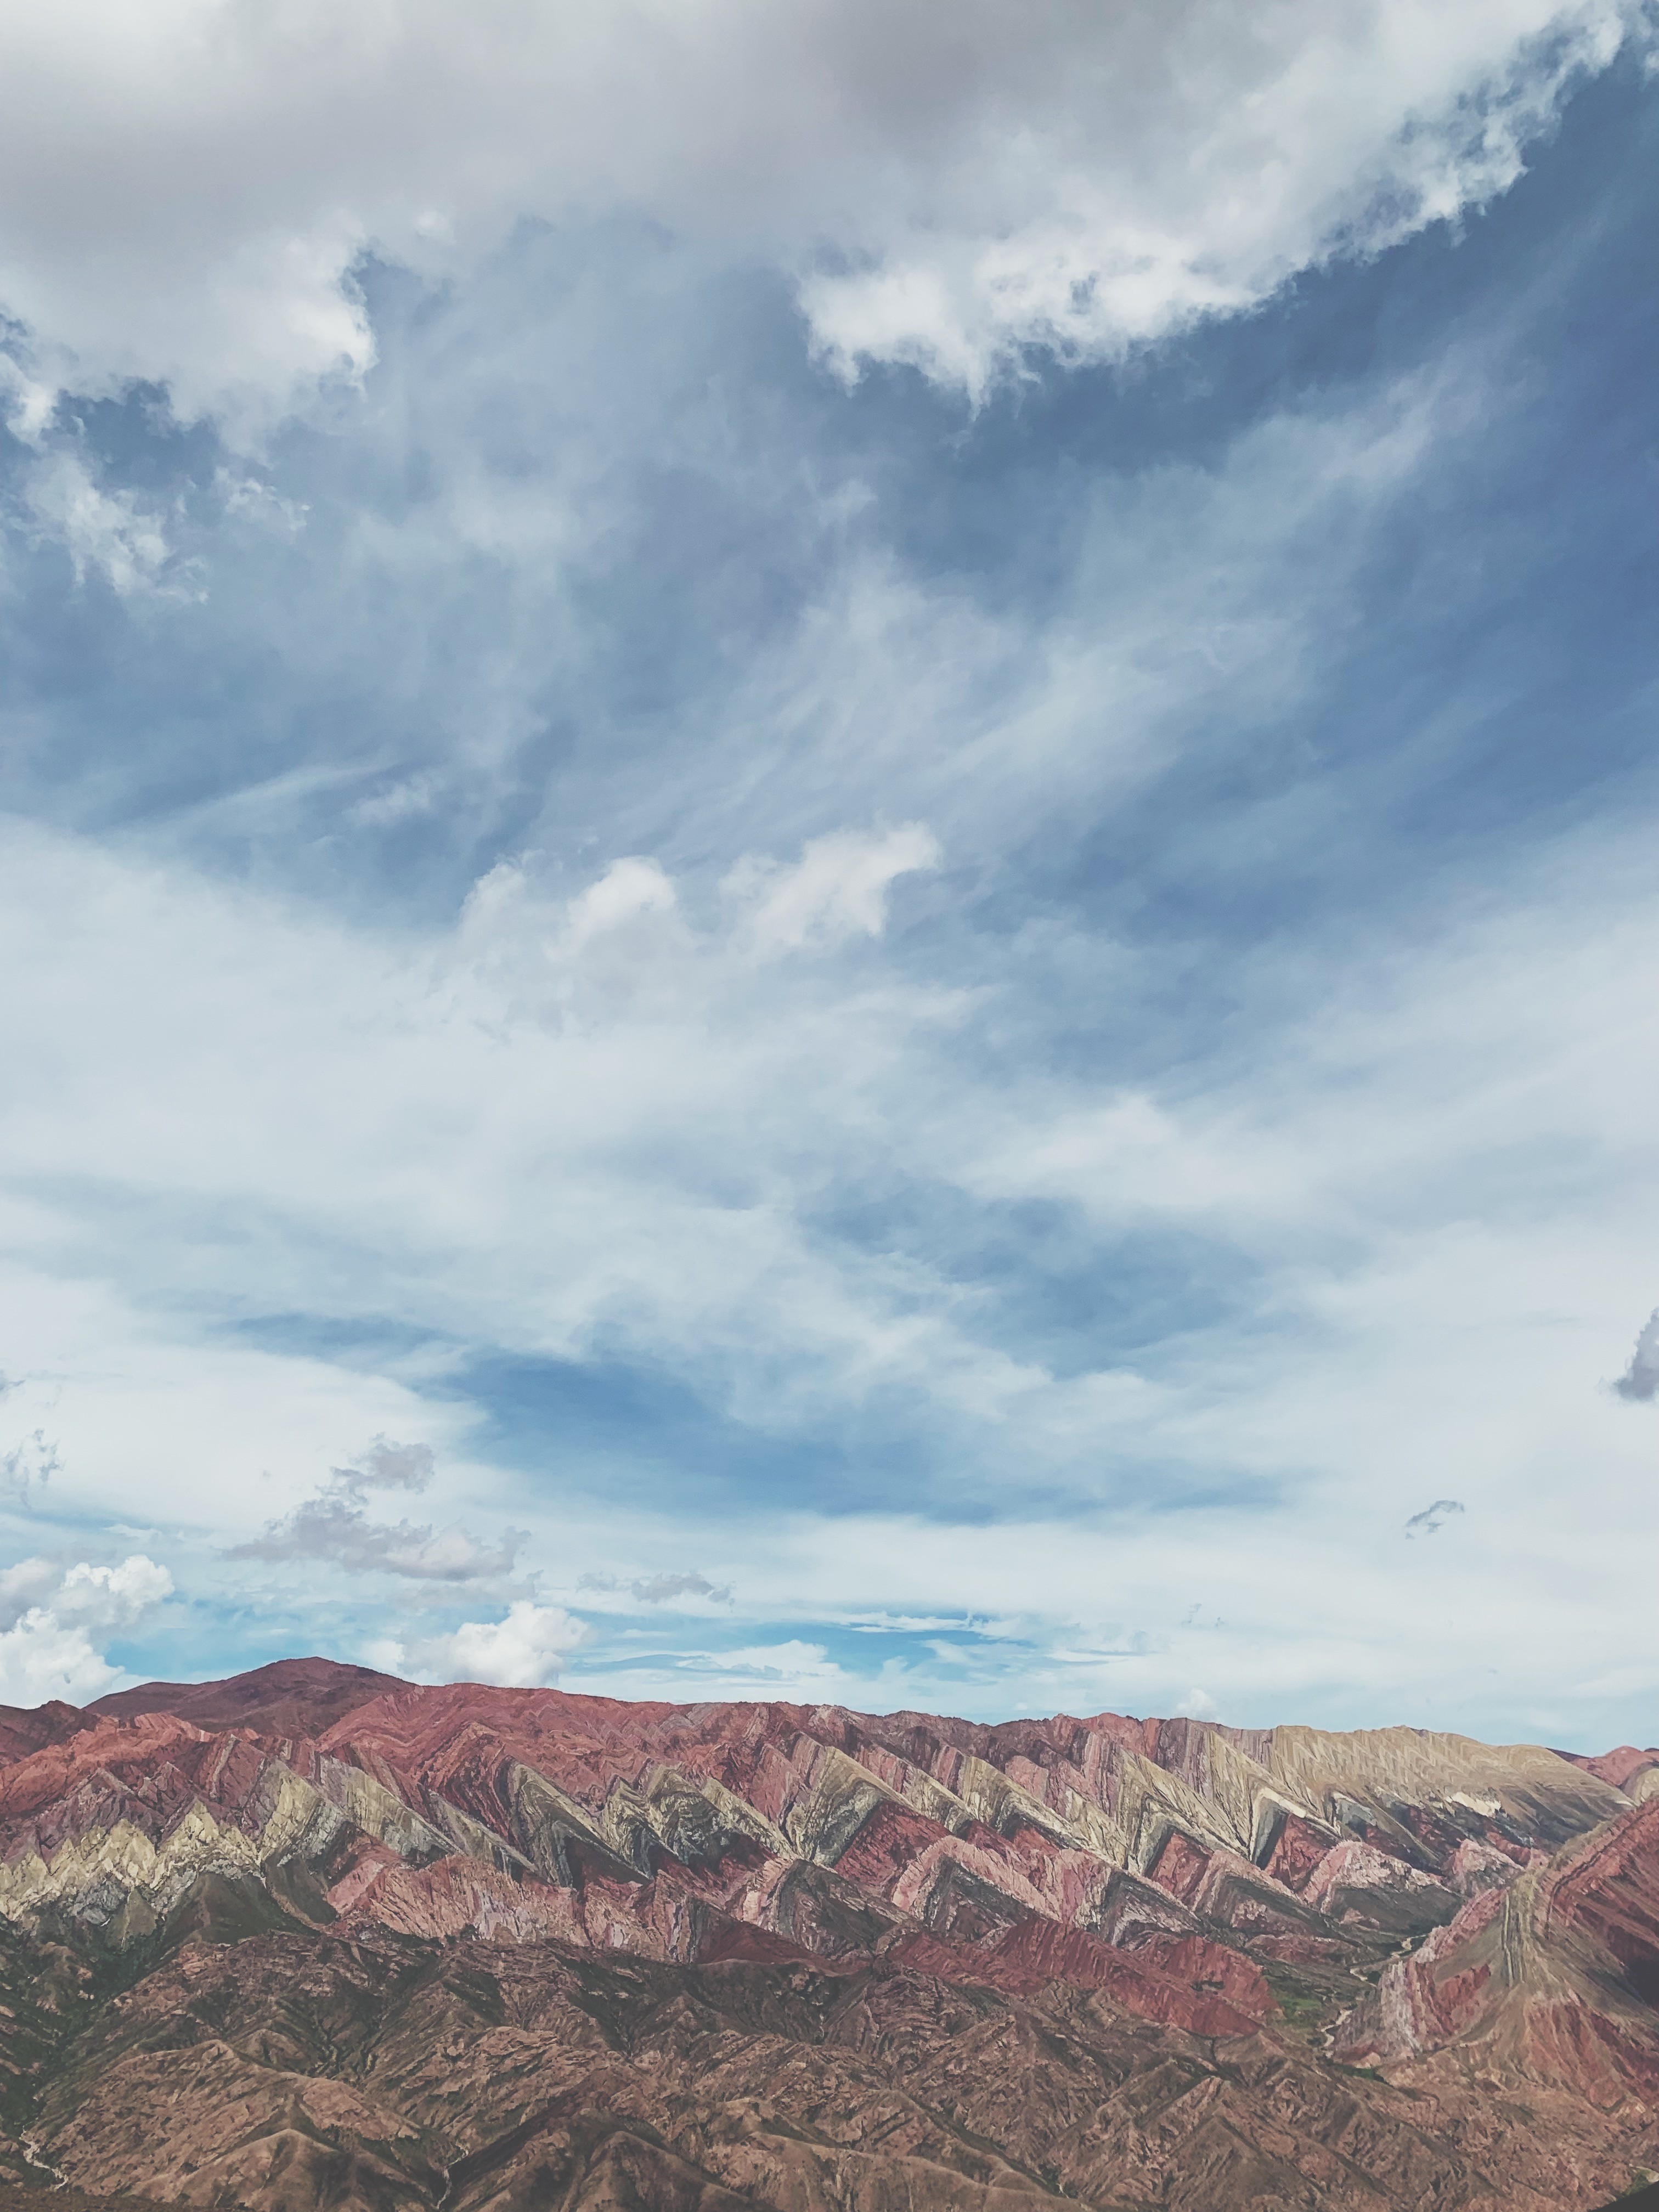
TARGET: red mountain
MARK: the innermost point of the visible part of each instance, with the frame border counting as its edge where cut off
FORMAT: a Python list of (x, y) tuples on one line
[(316, 1937)]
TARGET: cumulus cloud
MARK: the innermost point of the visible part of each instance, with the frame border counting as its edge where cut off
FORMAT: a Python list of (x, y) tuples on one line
[(113, 1597), (1232, 150), (836, 890), (335, 1526), (621, 941), (631, 890), (1640, 1380), (185, 191), (1433, 1517), (1197, 1706), (53, 1622), (522, 1651)]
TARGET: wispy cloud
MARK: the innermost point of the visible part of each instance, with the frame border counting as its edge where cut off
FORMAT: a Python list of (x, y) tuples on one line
[(103, 532), (335, 1527), (34, 1458), (659, 1589), (1433, 1517), (1640, 1380)]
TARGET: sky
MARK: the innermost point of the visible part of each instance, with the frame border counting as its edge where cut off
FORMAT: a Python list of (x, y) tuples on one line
[(830, 852)]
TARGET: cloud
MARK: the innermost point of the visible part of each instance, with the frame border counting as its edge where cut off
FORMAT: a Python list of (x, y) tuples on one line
[(185, 195), (332, 1528), (524, 1650), (29, 1583), (102, 530), (836, 890), (794, 1668), (1640, 1380), (335, 1527), (1198, 1705), (388, 1465), (54, 1621), (1432, 1517), (631, 890), (34, 1458), (1243, 150), (660, 1589), (112, 1598), (1019, 1202)]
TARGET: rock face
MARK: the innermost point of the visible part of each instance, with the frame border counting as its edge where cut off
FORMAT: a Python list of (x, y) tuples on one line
[(315, 1937)]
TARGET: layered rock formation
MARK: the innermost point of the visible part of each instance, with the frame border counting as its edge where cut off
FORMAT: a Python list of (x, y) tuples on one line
[(315, 1937)]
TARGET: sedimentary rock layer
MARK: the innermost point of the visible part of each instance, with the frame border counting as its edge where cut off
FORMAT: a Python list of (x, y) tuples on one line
[(314, 1936)]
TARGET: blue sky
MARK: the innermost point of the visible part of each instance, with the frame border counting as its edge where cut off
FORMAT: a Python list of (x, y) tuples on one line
[(842, 886)]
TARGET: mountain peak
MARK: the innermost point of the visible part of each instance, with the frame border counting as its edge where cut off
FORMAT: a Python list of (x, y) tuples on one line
[(289, 1697)]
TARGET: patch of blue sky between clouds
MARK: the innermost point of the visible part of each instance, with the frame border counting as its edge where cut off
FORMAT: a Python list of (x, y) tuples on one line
[(1108, 1214)]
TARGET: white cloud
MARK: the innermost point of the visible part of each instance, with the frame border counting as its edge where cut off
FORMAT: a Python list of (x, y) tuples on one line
[(836, 890), (589, 1121), (29, 402), (565, 1136), (793, 1668), (43, 1657), (47, 1647), (1198, 1705), (524, 1650), (1234, 148), (628, 890), (26, 1585), (250, 499), (184, 188), (112, 1598), (102, 530)]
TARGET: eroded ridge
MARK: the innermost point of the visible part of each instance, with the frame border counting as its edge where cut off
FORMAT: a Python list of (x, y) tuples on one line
[(315, 1937)]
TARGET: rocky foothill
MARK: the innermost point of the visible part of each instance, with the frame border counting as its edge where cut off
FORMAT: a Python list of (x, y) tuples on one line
[(315, 1937)]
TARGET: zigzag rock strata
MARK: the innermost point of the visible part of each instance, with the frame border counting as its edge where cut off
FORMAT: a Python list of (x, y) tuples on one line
[(315, 1937)]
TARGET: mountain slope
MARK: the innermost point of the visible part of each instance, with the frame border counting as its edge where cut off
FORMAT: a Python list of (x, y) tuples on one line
[(315, 1937)]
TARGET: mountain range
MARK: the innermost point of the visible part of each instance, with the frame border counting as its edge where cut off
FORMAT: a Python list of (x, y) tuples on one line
[(316, 1937)]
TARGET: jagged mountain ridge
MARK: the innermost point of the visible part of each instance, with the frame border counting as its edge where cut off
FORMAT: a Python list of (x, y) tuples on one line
[(1174, 1891)]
